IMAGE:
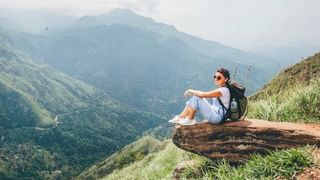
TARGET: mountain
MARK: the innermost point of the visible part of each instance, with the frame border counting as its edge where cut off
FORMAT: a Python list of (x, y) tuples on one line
[(139, 62), (209, 48), (34, 20), (292, 95), (52, 125), (4, 22)]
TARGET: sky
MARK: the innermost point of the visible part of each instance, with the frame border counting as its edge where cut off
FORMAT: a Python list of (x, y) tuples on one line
[(244, 24)]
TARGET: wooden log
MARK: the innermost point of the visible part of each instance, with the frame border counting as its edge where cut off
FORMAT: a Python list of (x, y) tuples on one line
[(236, 141)]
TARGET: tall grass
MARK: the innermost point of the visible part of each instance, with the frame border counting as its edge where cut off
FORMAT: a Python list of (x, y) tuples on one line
[(300, 103), (158, 165), (284, 164)]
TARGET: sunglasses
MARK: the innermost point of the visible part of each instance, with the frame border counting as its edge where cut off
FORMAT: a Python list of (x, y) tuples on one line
[(217, 77)]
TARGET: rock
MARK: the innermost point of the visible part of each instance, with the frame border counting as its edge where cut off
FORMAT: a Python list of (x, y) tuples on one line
[(181, 167), (309, 173), (235, 141)]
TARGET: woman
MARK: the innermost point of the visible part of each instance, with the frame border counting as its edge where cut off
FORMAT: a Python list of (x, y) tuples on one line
[(212, 112)]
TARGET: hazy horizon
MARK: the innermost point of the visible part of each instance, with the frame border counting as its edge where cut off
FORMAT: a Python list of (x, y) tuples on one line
[(248, 24)]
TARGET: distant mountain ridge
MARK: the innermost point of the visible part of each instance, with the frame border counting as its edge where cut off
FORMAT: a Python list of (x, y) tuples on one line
[(127, 17)]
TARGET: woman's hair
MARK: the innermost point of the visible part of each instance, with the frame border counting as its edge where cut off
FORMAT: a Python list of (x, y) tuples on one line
[(224, 72)]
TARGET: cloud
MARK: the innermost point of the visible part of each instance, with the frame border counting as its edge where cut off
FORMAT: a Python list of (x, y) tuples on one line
[(146, 6)]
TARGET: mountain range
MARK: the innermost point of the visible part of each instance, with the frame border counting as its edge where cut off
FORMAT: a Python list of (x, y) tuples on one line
[(142, 63)]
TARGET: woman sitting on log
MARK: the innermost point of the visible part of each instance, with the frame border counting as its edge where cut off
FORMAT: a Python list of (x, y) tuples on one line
[(212, 112)]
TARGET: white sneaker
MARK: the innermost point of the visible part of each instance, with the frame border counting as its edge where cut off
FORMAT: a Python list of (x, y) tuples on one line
[(175, 120), (187, 122)]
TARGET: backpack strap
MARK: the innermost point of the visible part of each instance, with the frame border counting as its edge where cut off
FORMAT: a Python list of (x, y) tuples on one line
[(224, 110)]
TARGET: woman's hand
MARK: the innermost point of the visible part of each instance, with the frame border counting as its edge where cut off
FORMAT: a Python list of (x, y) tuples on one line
[(189, 92)]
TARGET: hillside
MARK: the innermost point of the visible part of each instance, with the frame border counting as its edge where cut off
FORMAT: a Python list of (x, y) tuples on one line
[(300, 74), (169, 161), (293, 95), (17, 107), (147, 158), (53, 125), (131, 153)]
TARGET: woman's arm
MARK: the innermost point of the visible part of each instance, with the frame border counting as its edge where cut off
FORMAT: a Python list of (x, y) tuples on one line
[(203, 94)]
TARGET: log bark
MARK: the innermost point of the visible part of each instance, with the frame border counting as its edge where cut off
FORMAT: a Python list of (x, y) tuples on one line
[(236, 141)]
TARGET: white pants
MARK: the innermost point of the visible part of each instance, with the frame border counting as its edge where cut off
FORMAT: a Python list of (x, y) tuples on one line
[(213, 113)]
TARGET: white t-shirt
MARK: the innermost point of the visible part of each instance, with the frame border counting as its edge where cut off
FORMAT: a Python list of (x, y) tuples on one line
[(225, 98)]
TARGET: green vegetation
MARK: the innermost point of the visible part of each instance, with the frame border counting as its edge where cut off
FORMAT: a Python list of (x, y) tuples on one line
[(28, 161), (294, 95), (298, 104), (157, 165), (160, 163), (124, 157), (279, 164)]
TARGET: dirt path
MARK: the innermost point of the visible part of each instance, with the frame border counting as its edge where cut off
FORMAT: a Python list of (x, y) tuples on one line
[(311, 173)]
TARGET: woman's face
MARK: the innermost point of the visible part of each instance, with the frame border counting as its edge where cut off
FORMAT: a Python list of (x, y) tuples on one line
[(219, 79)]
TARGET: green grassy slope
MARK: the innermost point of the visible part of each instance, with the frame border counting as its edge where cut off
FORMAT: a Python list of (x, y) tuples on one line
[(15, 101), (293, 95), (127, 155), (90, 125), (160, 164), (301, 73)]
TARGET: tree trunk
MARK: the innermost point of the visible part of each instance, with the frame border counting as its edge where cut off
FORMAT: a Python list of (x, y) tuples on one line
[(235, 141)]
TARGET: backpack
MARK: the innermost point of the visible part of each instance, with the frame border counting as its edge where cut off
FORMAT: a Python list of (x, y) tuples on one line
[(238, 104)]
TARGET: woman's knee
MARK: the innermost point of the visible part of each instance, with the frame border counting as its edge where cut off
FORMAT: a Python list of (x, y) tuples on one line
[(215, 119), (195, 98)]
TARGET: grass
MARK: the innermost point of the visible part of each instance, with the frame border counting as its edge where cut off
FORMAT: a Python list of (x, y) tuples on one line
[(293, 95), (133, 152), (157, 165), (284, 164), (301, 74), (299, 104)]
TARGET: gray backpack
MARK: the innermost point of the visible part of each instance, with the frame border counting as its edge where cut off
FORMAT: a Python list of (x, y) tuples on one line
[(238, 105)]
